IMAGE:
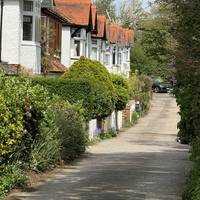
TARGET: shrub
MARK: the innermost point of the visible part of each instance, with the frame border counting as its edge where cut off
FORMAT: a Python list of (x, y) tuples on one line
[(108, 135), (22, 109), (134, 118), (11, 176), (46, 149), (97, 74), (73, 91), (72, 132), (141, 90), (121, 90)]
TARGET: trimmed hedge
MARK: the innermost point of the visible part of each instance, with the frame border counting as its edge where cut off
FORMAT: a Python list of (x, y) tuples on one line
[(73, 91), (122, 91), (104, 97)]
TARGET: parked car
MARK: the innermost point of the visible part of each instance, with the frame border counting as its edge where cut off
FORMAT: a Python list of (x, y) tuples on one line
[(159, 87)]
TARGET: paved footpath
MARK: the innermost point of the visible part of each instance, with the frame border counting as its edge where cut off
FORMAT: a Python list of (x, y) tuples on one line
[(144, 162)]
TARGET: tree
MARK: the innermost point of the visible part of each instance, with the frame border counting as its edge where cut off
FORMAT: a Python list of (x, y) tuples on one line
[(107, 8), (151, 54), (131, 13)]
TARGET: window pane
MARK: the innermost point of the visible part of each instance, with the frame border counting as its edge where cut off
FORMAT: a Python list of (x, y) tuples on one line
[(107, 59), (94, 53), (37, 29), (77, 46), (27, 28), (28, 6)]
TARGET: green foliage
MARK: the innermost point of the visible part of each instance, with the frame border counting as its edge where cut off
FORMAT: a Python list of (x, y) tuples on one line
[(134, 118), (122, 91), (46, 148), (108, 135), (73, 91), (11, 176), (185, 28), (73, 135), (145, 64), (104, 93), (141, 90), (22, 109), (36, 130)]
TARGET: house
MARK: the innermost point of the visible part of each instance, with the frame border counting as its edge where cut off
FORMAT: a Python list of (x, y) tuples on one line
[(21, 34), (76, 37), (51, 41)]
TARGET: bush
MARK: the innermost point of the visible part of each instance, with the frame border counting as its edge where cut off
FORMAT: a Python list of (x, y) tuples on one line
[(11, 176), (73, 91), (108, 135), (37, 130), (70, 122), (134, 118), (121, 90), (22, 109), (104, 93), (46, 149), (141, 90)]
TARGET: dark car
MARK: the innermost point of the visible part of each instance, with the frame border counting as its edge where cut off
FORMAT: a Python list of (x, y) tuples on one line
[(159, 87)]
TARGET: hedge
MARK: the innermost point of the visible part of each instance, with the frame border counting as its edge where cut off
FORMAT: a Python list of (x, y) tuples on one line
[(122, 91), (104, 93), (32, 132)]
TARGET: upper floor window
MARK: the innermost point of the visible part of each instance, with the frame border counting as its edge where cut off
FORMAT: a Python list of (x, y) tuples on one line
[(31, 20)]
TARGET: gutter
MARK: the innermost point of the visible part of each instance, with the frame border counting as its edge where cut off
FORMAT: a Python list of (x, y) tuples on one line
[(1, 26)]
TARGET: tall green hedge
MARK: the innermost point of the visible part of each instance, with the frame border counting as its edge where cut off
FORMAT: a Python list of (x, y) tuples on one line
[(104, 97), (122, 91)]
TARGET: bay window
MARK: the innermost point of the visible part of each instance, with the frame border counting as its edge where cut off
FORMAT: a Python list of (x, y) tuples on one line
[(31, 20)]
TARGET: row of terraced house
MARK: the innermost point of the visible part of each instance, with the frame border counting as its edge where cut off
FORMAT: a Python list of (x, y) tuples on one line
[(73, 29)]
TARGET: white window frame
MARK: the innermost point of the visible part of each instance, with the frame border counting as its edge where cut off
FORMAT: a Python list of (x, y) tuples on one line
[(82, 39), (94, 46), (36, 13)]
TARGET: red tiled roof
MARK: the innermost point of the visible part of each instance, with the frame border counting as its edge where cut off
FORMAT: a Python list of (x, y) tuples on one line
[(114, 31), (76, 11), (121, 35), (94, 17), (101, 25)]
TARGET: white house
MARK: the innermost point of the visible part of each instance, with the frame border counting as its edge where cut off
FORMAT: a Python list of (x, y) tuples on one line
[(76, 37), (21, 34)]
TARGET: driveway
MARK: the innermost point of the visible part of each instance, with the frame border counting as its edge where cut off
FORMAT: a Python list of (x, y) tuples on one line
[(144, 162)]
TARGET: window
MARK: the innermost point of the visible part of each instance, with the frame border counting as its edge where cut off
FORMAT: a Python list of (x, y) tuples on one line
[(77, 46), (28, 6), (114, 59), (119, 59), (27, 28), (31, 20), (107, 59), (94, 51)]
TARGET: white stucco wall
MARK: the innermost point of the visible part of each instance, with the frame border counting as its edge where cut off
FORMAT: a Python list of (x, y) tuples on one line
[(11, 36), (14, 50), (30, 57), (120, 119), (66, 46), (92, 128)]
